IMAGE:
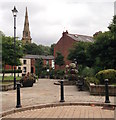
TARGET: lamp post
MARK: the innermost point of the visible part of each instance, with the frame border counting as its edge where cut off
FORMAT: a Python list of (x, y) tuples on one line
[(14, 11)]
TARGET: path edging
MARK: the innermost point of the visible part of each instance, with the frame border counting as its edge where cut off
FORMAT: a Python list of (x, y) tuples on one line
[(51, 105)]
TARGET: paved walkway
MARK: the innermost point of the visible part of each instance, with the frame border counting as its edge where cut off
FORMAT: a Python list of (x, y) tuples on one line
[(65, 112), (44, 92)]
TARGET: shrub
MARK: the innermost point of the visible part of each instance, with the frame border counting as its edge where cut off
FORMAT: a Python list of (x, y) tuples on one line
[(52, 74), (107, 74), (59, 74), (87, 72), (43, 74), (92, 80)]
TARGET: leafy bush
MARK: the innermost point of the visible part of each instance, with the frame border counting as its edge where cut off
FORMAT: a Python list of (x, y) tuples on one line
[(92, 80), (87, 72), (43, 74), (59, 74), (107, 74), (52, 73)]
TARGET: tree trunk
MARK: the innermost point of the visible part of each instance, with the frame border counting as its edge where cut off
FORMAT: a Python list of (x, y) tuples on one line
[(3, 73)]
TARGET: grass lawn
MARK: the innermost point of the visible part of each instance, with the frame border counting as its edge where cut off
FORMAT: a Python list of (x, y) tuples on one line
[(114, 84), (6, 83), (10, 78)]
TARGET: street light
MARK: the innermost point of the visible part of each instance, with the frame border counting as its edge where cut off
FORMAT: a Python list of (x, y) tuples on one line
[(14, 11)]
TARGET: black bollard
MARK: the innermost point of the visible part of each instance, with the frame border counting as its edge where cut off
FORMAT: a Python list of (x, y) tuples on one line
[(18, 96), (106, 92), (62, 92)]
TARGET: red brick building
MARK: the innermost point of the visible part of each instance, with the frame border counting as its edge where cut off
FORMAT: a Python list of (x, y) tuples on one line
[(66, 42), (28, 63), (47, 60)]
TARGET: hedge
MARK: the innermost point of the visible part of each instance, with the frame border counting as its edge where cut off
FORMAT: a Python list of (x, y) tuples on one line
[(109, 74), (12, 71)]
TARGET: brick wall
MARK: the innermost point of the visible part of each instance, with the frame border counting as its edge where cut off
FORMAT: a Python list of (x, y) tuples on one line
[(63, 46)]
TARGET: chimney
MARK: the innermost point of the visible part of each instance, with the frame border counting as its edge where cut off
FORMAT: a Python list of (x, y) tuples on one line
[(64, 33)]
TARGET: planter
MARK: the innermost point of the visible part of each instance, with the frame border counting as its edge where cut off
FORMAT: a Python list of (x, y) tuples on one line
[(28, 83), (100, 89)]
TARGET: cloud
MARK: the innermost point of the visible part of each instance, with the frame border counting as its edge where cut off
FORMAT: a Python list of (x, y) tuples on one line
[(49, 19)]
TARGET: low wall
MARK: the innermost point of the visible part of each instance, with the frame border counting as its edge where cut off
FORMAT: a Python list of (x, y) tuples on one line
[(6, 87), (100, 89), (67, 82)]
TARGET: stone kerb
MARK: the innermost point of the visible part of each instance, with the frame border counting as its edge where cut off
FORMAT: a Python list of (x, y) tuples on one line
[(52, 105)]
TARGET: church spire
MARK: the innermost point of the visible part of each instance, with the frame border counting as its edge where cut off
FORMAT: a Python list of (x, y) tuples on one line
[(26, 33)]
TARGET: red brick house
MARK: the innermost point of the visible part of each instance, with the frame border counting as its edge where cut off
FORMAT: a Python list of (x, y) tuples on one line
[(66, 42), (28, 63)]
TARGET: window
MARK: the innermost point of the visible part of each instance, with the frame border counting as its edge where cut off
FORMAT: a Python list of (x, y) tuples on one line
[(24, 69), (19, 68), (24, 61)]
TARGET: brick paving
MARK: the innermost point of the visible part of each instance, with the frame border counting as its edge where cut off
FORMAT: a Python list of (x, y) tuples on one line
[(44, 91), (65, 112)]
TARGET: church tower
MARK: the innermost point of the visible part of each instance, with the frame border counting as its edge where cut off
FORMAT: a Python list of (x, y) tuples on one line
[(26, 33)]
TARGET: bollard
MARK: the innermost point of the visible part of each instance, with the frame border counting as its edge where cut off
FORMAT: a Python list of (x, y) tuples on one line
[(18, 96), (62, 92), (106, 92)]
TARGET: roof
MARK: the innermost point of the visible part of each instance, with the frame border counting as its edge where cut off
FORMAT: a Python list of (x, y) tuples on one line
[(82, 38), (47, 57)]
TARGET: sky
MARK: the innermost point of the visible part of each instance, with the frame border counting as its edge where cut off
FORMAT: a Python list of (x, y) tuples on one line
[(49, 18)]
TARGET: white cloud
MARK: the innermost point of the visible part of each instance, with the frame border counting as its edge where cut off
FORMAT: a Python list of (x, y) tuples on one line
[(48, 18)]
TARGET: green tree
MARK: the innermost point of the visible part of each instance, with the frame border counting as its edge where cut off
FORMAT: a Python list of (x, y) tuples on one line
[(34, 49), (59, 60), (8, 52), (103, 49), (45, 49), (52, 49), (39, 66), (80, 53), (101, 53)]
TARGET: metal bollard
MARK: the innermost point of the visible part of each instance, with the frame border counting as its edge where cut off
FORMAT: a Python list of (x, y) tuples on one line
[(106, 92), (18, 96), (62, 92)]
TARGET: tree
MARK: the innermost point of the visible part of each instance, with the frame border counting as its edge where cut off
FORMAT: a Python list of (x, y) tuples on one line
[(45, 49), (59, 60), (8, 52), (103, 49), (101, 53), (80, 53), (52, 49), (34, 49), (39, 66)]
